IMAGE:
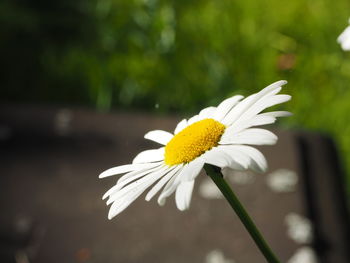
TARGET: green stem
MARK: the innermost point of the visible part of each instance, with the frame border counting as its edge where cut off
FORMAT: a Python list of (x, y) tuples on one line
[(216, 175)]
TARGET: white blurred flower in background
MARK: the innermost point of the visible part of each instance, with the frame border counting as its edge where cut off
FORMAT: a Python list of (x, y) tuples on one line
[(344, 38)]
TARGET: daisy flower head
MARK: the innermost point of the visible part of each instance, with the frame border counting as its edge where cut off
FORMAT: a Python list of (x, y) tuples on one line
[(344, 39), (221, 136)]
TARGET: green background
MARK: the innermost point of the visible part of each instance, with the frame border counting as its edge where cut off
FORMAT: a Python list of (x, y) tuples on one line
[(176, 57)]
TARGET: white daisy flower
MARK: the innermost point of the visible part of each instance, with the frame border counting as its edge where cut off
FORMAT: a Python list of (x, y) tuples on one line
[(217, 135), (344, 38)]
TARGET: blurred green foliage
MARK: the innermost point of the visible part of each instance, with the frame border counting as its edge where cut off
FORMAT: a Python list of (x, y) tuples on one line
[(179, 56)]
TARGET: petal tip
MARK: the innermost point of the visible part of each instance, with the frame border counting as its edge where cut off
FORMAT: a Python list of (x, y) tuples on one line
[(284, 81), (161, 200), (110, 215), (102, 175), (281, 82)]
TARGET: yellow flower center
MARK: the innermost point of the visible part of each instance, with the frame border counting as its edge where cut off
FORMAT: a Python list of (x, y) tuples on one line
[(193, 141)]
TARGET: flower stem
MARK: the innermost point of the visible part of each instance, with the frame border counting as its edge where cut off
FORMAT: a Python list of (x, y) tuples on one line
[(216, 175)]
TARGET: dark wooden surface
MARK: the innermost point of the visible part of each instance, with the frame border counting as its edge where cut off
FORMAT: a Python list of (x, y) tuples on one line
[(51, 207)]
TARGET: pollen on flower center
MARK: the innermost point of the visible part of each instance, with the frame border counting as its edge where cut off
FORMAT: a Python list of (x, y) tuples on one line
[(193, 141)]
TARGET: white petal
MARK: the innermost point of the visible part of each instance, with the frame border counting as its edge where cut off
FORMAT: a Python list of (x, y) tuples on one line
[(124, 169), (222, 159), (217, 158), (121, 204), (207, 113), (119, 207), (162, 137), (131, 177), (249, 103), (193, 169), (138, 185), (254, 136), (238, 110), (161, 183), (172, 185), (147, 168), (277, 114), (193, 119), (132, 192), (149, 156), (183, 195), (180, 126), (275, 85), (258, 120), (237, 156), (225, 106), (266, 103), (277, 99), (263, 103), (258, 162), (266, 118)]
